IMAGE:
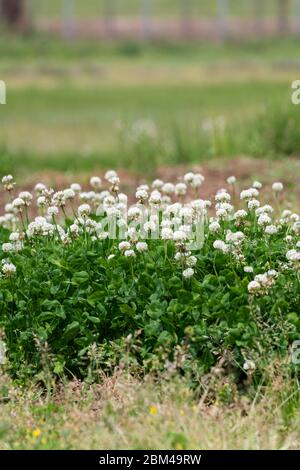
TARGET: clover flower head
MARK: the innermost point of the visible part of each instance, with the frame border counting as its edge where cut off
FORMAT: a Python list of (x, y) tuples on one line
[(188, 273), (277, 187)]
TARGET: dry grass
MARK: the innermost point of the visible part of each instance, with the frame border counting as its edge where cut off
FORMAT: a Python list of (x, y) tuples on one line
[(124, 413)]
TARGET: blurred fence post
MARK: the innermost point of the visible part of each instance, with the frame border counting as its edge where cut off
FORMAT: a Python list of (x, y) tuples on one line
[(283, 16), (146, 18), (222, 18), (68, 18), (109, 17), (13, 12), (186, 17)]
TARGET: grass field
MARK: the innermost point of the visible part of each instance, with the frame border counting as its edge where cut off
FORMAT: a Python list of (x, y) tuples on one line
[(182, 103), (90, 8), (74, 109)]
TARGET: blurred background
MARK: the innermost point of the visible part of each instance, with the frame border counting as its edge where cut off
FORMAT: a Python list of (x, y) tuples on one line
[(149, 86)]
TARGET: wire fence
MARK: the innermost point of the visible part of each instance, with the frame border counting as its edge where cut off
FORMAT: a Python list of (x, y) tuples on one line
[(166, 18)]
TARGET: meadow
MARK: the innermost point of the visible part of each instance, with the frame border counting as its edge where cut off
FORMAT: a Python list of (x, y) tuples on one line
[(179, 103), (167, 8), (206, 335)]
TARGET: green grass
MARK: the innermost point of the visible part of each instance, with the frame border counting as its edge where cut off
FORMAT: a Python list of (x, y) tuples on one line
[(90, 8), (64, 101)]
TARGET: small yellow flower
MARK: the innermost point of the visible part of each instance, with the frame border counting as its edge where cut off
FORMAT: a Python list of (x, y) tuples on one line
[(178, 446), (153, 410), (36, 432)]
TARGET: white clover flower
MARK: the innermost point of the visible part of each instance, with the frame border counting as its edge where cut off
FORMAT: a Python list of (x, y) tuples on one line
[(134, 213), (189, 177), (8, 269), (296, 227), (253, 204), (155, 197), (167, 233), (157, 184), (15, 236), (289, 239), (277, 187), (110, 175), (185, 228), (75, 187), (95, 182), (149, 226), (141, 195), (7, 179), (248, 269), (26, 196), (264, 219), (143, 187), (254, 287), (200, 204), (272, 273), (18, 203), (168, 188), (132, 233), (286, 214), (74, 229), (180, 189), (122, 198), (123, 246), (256, 185), (188, 273), (129, 253), (221, 213), (40, 188), (240, 214), (271, 229), (109, 201), (222, 196), (197, 180), (9, 207), (179, 236), (41, 201), (141, 247), (8, 182), (52, 211), (84, 210), (250, 193), (221, 246), (264, 209), (8, 247), (234, 237), (214, 227), (293, 255), (249, 365), (261, 279), (191, 261), (187, 214), (231, 180), (69, 193), (295, 217), (166, 223)]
